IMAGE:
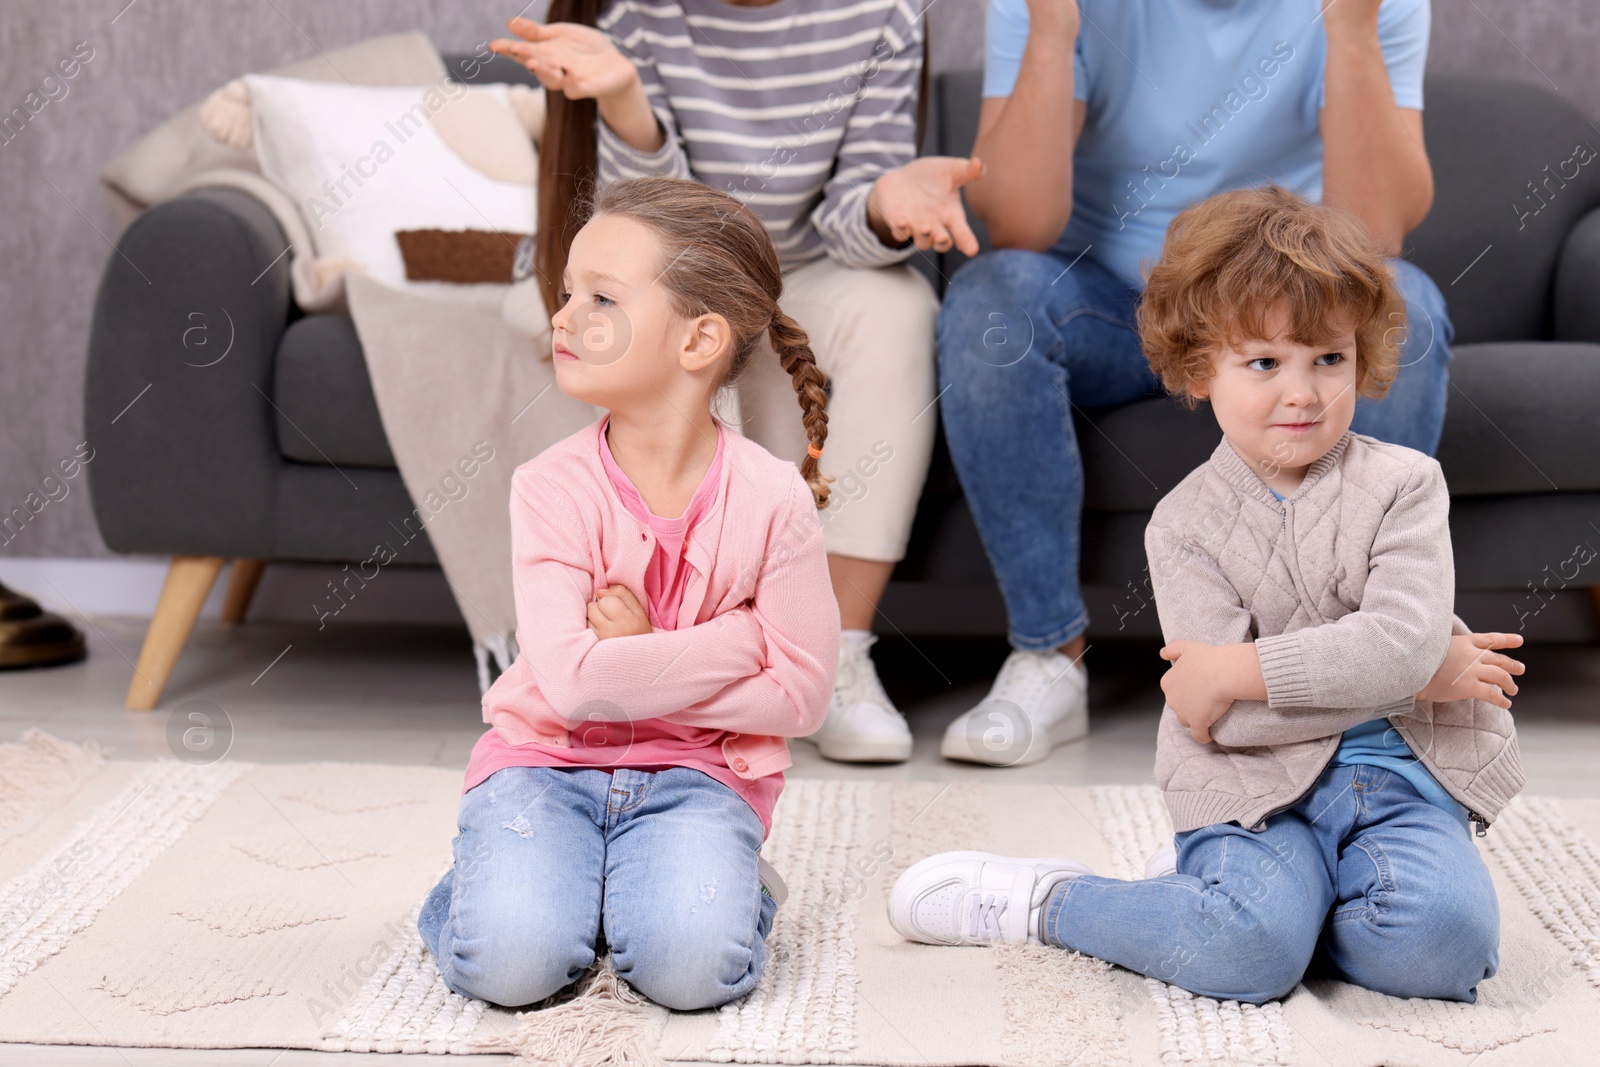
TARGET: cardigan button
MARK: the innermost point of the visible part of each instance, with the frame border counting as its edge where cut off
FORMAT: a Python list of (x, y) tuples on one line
[(739, 764)]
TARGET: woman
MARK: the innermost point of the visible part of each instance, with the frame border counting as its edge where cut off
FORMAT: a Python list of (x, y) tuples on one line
[(805, 111)]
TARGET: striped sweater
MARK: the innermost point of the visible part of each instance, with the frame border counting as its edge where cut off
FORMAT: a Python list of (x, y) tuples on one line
[(795, 108)]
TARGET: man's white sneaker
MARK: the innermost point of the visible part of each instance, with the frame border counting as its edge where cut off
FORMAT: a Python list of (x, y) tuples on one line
[(1039, 700), (975, 898), (1163, 862), (863, 725)]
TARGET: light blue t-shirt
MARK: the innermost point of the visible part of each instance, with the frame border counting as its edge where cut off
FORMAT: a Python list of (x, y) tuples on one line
[(1378, 744), (1187, 98)]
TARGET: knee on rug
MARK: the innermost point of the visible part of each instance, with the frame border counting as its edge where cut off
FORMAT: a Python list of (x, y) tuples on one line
[(515, 965), (681, 971), (1439, 951), (1247, 959)]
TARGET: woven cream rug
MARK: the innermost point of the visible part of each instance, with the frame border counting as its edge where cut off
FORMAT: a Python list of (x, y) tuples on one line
[(257, 905)]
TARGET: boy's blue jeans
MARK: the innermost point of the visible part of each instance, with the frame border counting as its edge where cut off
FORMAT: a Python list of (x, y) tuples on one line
[(666, 858), (1363, 875), (1024, 337)]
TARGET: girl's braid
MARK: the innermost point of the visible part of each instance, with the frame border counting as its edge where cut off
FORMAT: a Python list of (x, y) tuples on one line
[(793, 347)]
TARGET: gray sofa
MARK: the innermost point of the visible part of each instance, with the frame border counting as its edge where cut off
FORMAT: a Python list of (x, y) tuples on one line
[(1521, 441), (205, 469)]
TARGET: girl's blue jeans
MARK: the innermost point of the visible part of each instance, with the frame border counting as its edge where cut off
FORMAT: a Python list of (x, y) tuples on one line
[(1362, 879), (1027, 337), (664, 862)]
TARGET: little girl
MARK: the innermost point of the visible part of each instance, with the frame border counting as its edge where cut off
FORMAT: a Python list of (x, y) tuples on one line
[(806, 111), (675, 622), (1331, 729)]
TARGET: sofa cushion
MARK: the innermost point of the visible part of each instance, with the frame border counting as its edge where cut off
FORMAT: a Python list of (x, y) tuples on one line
[(1521, 419), (465, 162), (326, 411), (1513, 171), (1135, 454), (1497, 442)]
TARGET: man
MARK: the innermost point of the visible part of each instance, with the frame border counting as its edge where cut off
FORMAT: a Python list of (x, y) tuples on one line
[(1101, 120)]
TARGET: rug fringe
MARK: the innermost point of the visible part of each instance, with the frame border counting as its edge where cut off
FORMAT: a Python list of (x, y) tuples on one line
[(601, 1022)]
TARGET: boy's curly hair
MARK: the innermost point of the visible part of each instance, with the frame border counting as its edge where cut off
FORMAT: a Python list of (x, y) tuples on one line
[(1233, 258)]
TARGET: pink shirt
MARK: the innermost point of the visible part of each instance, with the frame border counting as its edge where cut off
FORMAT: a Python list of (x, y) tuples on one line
[(745, 634), (663, 578)]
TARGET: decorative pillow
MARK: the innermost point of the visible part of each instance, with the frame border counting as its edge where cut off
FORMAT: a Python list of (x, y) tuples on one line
[(461, 256), (363, 163)]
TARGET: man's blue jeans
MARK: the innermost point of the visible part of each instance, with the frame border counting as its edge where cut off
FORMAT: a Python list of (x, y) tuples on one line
[(667, 858), (1026, 337), (1362, 875)]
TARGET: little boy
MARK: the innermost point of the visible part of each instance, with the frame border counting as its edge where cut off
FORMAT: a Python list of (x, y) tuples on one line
[(1326, 740)]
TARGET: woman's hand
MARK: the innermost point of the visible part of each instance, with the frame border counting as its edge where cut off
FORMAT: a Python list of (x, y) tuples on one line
[(581, 63), (921, 201), (1472, 670), (578, 61), (616, 612)]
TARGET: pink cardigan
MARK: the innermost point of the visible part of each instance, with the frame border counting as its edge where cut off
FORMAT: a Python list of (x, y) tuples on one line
[(757, 642)]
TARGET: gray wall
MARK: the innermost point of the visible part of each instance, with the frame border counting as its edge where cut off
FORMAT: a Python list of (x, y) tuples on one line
[(155, 56)]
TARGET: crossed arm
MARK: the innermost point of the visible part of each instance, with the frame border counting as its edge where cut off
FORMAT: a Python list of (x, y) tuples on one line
[(1321, 680), (1218, 692), (764, 666)]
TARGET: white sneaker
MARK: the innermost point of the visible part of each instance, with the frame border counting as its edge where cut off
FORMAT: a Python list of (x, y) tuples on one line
[(863, 725), (1039, 700), (1162, 863), (771, 881), (975, 898)]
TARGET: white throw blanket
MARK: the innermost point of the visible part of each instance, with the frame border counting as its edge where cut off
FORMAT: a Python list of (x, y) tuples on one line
[(449, 378), (459, 372)]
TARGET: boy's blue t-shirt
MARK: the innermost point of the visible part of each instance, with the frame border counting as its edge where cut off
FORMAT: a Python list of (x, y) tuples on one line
[(1187, 98), (1378, 744)]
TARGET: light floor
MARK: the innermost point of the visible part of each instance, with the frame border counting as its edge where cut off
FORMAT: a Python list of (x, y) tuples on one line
[(407, 694)]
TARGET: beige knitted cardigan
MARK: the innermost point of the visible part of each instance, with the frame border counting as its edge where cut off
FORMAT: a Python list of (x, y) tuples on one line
[(1346, 587)]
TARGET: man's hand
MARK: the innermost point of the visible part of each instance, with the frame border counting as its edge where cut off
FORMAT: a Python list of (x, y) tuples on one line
[(1204, 681), (616, 612), (921, 201), (1471, 669)]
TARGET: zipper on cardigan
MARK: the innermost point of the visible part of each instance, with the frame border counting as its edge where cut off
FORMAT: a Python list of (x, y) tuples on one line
[(1292, 561), (1261, 823), (1477, 820)]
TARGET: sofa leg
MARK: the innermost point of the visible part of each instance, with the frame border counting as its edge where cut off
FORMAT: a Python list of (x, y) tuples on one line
[(242, 579), (189, 582)]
